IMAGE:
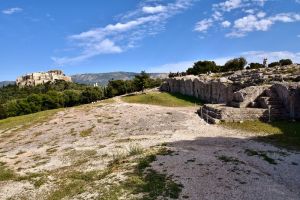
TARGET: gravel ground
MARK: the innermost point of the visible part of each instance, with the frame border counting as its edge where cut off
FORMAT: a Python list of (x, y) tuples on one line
[(210, 162)]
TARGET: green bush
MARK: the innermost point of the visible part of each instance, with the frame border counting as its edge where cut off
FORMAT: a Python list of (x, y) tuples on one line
[(256, 66), (202, 67), (285, 62), (274, 64), (234, 64)]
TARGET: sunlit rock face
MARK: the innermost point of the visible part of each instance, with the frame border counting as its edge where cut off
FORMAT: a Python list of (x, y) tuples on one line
[(38, 78)]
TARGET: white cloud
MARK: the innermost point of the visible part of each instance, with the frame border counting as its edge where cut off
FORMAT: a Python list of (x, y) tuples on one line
[(228, 5), (220, 9), (298, 36), (153, 9), (226, 24), (259, 22), (145, 21), (297, 1), (11, 11), (261, 14), (203, 25)]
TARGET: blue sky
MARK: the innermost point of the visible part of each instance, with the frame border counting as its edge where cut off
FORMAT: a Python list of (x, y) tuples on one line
[(132, 35)]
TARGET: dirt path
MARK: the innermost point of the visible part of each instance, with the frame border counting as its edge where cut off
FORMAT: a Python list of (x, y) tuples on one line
[(209, 161)]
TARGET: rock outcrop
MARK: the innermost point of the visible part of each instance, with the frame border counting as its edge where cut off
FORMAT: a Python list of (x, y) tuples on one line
[(39, 78)]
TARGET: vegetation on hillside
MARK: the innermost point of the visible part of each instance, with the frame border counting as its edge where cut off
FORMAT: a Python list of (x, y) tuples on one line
[(203, 67), (163, 99), (15, 101)]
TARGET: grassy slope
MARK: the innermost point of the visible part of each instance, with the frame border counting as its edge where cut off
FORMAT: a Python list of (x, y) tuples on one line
[(283, 133), (163, 99), (26, 120)]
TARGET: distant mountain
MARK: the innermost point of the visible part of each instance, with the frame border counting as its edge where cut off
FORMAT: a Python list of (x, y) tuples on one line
[(103, 78), (5, 83)]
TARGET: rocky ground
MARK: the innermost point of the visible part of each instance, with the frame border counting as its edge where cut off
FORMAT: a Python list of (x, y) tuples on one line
[(210, 162)]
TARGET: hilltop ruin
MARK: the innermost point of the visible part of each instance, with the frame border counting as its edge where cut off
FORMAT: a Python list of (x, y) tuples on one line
[(267, 93), (39, 78)]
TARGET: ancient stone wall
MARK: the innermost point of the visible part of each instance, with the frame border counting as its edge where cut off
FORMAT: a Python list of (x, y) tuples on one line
[(289, 94), (210, 91), (282, 99)]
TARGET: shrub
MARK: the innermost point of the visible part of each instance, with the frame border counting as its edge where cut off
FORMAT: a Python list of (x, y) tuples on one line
[(234, 64), (284, 62), (202, 67), (274, 64), (256, 66)]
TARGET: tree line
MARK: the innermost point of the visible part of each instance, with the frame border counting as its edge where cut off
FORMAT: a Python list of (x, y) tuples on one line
[(203, 67), (15, 101)]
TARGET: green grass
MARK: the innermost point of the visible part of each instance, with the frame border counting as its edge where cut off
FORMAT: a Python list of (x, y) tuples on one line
[(25, 121), (87, 132), (163, 99), (283, 133), (5, 173), (141, 180)]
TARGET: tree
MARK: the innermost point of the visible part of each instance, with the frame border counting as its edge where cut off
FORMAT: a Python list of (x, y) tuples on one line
[(91, 94), (285, 62), (202, 67), (274, 64), (256, 66), (35, 102), (235, 64), (140, 81), (72, 98)]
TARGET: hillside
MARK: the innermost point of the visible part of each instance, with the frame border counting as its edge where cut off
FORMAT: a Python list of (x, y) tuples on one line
[(103, 78), (5, 83), (108, 150)]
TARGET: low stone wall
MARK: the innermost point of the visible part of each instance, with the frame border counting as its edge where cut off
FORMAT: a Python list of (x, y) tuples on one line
[(246, 96), (209, 91), (216, 113)]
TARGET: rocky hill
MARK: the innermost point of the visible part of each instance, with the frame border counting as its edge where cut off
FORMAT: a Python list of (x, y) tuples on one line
[(103, 78)]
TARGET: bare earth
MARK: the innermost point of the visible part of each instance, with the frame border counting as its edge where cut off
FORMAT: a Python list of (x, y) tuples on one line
[(209, 161)]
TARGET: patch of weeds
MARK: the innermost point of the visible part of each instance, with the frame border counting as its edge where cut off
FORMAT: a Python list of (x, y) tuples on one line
[(37, 134), (135, 150), (87, 132), (151, 183), (68, 189), (164, 151), (261, 154), (101, 146), (38, 179), (228, 159), (122, 140), (51, 150), (20, 152), (6, 173), (72, 132)]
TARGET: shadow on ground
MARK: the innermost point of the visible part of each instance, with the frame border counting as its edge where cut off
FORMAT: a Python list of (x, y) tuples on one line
[(232, 168)]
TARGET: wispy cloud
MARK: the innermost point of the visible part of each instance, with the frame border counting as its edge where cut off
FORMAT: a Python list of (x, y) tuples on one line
[(148, 19), (11, 11)]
